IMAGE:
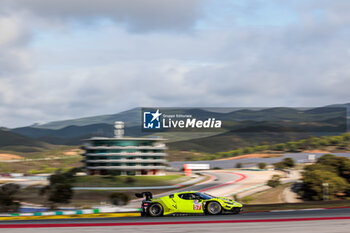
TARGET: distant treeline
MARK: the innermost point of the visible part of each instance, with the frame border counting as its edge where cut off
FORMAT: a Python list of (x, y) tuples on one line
[(340, 142)]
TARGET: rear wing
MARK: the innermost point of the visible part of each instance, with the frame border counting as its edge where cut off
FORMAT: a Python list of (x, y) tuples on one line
[(148, 195)]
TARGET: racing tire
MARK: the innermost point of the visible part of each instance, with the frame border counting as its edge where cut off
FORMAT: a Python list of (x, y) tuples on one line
[(155, 210), (213, 208), (236, 210)]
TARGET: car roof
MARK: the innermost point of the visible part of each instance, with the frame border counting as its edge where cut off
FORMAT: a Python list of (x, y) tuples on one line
[(187, 192)]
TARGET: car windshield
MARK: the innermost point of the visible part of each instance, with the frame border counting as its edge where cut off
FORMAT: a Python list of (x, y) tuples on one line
[(205, 196)]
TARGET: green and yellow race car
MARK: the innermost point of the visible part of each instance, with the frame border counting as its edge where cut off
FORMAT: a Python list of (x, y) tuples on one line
[(191, 202)]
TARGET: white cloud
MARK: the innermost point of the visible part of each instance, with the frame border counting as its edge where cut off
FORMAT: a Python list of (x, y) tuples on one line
[(136, 15), (9, 30), (47, 73)]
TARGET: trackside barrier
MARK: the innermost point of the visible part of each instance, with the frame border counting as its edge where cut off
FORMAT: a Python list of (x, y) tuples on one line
[(75, 212)]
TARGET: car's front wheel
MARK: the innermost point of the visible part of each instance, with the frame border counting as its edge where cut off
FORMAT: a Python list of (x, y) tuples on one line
[(155, 210), (236, 210), (214, 208)]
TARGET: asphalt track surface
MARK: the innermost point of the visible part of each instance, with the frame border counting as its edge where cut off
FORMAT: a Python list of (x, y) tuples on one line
[(302, 221), (219, 179), (336, 226), (328, 220)]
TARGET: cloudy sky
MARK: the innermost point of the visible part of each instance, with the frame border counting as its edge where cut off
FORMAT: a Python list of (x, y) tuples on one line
[(62, 59)]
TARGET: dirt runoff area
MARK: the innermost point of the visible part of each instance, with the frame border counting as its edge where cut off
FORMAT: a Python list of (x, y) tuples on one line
[(73, 152), (252, 156), (10, 157)]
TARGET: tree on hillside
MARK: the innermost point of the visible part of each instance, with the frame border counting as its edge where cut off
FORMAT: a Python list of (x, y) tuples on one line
[(261, 165), (7, 198), (302, 144), (285, 163), (346, 136), (313, 142), (344, 170), (335, 140), (119, 199), (60, 189), (342, 145), (279, 166), (59, 193), (274, 181), (329, 159), (292, 146), (340, 164), (347, 190), (324, 142), (289, 162), (318, 166), (248, 150), (261, 148), (313, 181), (331, 170), (279, 147)]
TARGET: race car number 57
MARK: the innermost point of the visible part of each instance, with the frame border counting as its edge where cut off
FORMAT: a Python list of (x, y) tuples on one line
[(197, 206)]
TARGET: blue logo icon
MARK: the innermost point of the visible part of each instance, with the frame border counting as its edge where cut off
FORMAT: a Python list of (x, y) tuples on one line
[(151, 120)]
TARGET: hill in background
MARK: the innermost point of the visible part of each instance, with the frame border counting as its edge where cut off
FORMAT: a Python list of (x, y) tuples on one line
[(244, 127), (130, 117), (15, 142)]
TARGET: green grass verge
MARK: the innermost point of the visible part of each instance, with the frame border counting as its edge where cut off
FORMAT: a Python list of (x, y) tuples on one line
[(81, 198), (89, 198), (41, 166), (270, 196), (53, 151), (127, 181)]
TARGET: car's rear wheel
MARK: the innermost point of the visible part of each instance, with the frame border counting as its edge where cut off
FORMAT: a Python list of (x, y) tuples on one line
[(214, 208), (155, 210)]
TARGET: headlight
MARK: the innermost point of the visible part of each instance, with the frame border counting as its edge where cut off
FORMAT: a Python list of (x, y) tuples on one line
[(237, 204), (229, 203)]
